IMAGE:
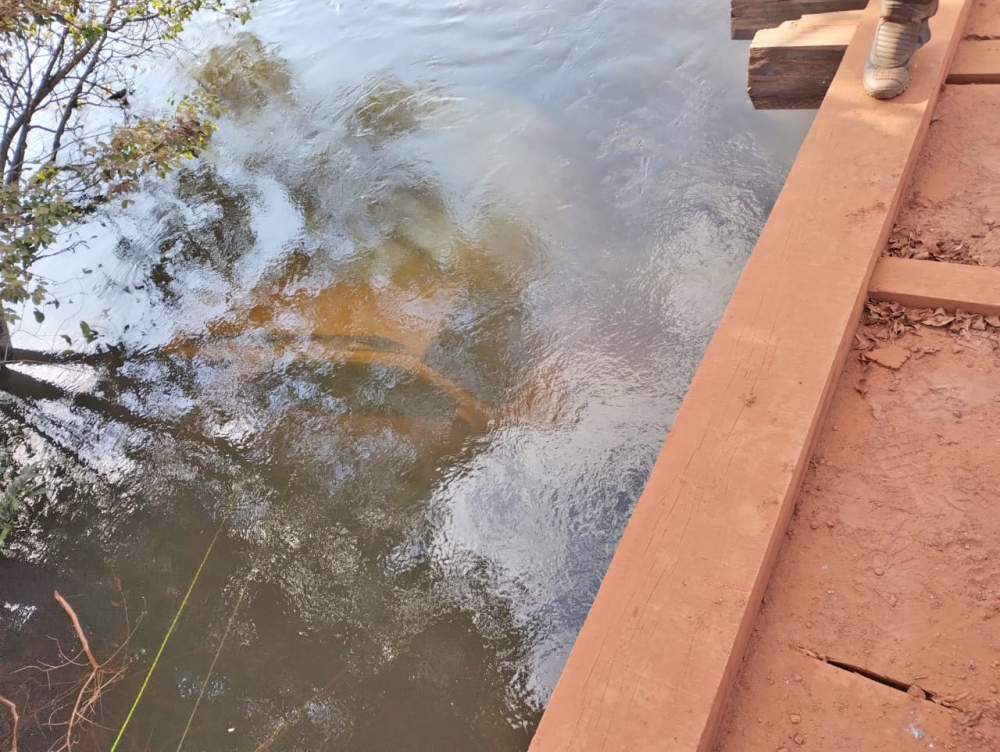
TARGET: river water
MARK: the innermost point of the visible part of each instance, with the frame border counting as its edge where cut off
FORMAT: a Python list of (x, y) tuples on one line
[(404, 344)]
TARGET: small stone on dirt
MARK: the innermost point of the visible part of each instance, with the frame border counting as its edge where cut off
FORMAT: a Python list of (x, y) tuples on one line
[(879, 571), (795, 718), (893, 600), (890, 356), (814, 525), (799, 739), (809, 625)]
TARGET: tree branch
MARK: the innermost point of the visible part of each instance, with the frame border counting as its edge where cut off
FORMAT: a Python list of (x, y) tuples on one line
[(79, 630), (48, 84), (17, 719), (72, 103)]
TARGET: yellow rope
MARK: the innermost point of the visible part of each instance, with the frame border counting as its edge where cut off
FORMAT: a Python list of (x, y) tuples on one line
[(166, 637)]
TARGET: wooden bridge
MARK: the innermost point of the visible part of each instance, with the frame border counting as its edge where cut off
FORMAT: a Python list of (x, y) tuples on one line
[(815, 560), (798, 46)]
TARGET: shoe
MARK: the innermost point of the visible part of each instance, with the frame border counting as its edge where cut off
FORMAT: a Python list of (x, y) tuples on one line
[(902, 30)]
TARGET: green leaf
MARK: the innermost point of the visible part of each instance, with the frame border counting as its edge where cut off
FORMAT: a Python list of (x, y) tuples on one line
[(39, 316), (88, 333), (68, 340)]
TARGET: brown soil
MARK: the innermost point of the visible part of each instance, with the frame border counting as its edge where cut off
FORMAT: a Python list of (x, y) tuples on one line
[(891, 564), (952, 211)]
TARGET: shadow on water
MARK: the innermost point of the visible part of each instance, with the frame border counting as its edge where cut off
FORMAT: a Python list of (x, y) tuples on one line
[(313, 419)]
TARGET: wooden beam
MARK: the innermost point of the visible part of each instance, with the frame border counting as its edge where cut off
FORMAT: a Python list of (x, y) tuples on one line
[(931, 284), (654, 663), (791, 67), (984, 21), (976, 62), (747, 17)]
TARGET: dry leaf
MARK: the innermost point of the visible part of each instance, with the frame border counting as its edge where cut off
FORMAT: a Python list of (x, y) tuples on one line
[(938, 319), (890, 356)]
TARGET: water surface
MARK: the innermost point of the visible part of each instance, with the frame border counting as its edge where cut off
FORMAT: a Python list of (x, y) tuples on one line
[(407, 340)]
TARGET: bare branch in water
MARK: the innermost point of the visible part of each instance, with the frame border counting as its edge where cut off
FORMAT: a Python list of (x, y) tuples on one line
[(17, 720), (79, 630)]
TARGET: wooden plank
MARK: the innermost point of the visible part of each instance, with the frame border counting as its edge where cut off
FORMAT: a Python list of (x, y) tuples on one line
[(984, 21), (654, 663), (791, 67), (931, 284), (976, 62), (747, 17)]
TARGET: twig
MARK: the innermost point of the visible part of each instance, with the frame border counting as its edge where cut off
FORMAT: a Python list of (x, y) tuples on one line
[(81, 700), (293, 717), (17, 719), (79, 630), (76, 710)]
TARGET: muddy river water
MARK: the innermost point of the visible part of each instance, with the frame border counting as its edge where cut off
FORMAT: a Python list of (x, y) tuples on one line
[(404, 344)]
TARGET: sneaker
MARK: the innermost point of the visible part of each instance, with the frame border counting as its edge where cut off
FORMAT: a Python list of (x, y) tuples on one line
[(902, 30)]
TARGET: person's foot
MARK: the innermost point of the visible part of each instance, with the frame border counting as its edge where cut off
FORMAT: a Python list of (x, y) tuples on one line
[(902, 30)]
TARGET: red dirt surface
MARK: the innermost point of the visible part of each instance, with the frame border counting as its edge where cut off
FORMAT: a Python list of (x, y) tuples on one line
[(952, 211), (891, 563)]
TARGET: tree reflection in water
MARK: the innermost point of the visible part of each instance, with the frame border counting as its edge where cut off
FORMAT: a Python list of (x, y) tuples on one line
[(313, 416)]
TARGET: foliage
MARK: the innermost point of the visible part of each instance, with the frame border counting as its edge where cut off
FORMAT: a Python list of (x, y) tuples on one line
[(70, 141), (23, 484), (244, 76)]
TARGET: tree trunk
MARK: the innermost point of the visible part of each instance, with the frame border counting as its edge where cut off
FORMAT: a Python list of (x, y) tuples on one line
[(5, 346)]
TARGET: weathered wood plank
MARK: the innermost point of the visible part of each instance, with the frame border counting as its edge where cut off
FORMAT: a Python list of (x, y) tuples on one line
[(984, 21), (931, 284), (747, 17), (654, 664), (791, 66)]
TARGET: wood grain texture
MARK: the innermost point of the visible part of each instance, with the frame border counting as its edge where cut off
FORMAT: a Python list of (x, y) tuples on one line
[(654, 663), (930, 284), (747, 17), (791, 66)]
